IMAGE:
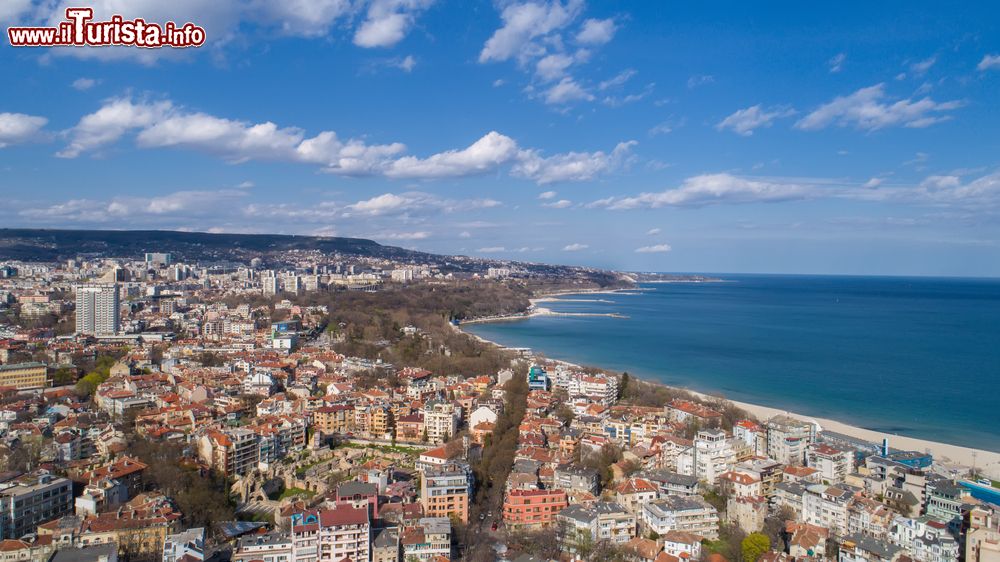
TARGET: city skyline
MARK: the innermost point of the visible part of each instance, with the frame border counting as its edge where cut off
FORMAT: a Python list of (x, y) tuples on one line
[(620, 136)]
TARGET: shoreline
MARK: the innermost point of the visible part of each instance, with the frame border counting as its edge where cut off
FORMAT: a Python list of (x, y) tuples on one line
[(945, 454)]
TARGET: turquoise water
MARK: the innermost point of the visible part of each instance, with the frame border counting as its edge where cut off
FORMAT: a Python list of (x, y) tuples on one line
[(910, 356)]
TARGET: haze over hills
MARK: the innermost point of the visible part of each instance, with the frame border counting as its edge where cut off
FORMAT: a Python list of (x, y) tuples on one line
[(39, 245), (50, 245)]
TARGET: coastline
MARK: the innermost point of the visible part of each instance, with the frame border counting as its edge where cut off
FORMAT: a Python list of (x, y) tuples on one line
[(955, 457)]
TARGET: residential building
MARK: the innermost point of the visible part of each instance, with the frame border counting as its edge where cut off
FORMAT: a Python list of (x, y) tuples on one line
[(270, 547), (788, 438), (571, 477), (233, 452), (98, 309), (24, 376), (859, 548), (440, 420), (331, 535), (834, 464), (428, 539), (925, 538), (31, 499), (826, 506), (982, 539), (538, 379), (186, 546), (446, 492), (680, 513), (532, 508), (602, 521)]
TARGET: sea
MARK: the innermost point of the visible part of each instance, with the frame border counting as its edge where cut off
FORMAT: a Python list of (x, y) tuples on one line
[(911, 356)]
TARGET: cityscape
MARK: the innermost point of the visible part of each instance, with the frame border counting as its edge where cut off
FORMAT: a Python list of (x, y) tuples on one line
[(128, 380), (499, 281)]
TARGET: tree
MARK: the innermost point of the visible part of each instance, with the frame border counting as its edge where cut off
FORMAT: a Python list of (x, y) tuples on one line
[(64, 376), (623, 385), (754, 546), (565, 414)]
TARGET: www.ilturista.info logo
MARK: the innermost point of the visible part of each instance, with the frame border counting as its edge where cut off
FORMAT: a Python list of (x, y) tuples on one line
[(79, 31)]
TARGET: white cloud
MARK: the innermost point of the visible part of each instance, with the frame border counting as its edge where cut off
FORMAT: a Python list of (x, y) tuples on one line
[(420, 235), (982, 193), (484, 155), (700, 80), (867, 109), (653, 232), (187, 203), (115, 118), (388, 22), (575, 247), (571, 166), (491, 249), (161, 124), (711, 189), (837, 62), (17, 128), (414, 201), (534, 33), (567, 91), (596, 32), (307, 18), (666, 127), (465, 234), (548, 195), (523, 23), (12, 10), (553, 67), (408, 63), (560, 204), (989, 62), (744, 121), (656, 249), (920, 68), (617, 80), (84, 84)]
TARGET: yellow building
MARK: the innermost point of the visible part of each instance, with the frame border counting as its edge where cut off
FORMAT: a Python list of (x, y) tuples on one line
[(24, 376)]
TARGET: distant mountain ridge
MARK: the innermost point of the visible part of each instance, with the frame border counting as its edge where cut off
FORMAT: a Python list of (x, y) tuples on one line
[(29, 244)]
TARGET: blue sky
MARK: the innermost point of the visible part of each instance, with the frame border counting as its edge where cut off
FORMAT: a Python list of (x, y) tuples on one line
[(660, 136)]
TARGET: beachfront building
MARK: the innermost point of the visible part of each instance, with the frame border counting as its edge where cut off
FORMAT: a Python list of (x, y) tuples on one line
[(788, 438), (711, 455), (538, 379), (833, 463)]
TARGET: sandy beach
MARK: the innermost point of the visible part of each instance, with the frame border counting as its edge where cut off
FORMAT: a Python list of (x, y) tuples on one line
[(987, 462), (945, 455)]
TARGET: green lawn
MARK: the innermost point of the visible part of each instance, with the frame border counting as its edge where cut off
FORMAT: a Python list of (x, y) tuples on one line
[(290, 492)]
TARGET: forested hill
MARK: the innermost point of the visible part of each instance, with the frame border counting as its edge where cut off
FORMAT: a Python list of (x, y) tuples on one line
[(52, 245)]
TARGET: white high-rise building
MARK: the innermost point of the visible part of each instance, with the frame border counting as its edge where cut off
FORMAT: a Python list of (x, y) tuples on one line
[(97, 309)]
